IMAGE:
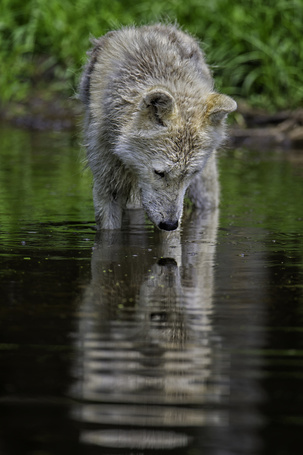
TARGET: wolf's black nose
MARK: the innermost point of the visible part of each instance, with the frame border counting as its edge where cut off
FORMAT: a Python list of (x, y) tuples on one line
[(168, 225)]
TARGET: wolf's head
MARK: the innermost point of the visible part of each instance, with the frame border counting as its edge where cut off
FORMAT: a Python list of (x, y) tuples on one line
[(167, 144)]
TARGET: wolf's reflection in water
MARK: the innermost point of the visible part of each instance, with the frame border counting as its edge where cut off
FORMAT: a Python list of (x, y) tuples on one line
[(149, 360)]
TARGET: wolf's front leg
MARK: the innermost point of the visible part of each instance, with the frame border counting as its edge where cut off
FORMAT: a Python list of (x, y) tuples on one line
[(108, 210), (204, 190)]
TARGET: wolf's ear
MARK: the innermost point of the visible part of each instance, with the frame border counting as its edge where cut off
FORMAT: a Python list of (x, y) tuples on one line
[(218, 106), (157, 106)]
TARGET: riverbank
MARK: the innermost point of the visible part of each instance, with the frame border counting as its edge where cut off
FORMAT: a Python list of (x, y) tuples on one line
[(249, 127)]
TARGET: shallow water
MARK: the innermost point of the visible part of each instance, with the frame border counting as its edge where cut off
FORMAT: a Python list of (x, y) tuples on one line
[(141, 342)]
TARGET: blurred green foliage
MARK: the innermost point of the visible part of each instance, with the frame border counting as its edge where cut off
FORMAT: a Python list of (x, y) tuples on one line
[(252, 46)]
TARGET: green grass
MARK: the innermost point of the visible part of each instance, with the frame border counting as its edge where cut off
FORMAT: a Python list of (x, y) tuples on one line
[(254, 47)]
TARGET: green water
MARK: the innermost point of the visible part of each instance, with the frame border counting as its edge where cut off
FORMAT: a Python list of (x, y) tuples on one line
[(139, 342)]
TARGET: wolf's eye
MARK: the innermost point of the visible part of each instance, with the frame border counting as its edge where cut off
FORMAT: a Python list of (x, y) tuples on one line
[(196, 172), (160, 174)]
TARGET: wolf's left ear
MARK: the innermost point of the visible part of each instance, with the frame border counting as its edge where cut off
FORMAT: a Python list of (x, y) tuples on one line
[(157, 106), (218, 106)]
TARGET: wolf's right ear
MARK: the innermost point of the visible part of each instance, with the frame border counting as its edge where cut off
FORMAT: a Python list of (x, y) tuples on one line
[(218, 107), (156, 107)]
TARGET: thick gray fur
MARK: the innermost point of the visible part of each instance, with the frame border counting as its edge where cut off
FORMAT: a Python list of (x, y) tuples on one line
[(152, 126)]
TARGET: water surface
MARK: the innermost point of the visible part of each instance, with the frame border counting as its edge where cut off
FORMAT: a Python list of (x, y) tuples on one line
[(142, 342)]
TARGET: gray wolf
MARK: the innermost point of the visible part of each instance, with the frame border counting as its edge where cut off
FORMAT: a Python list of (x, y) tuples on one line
[(152, 126)]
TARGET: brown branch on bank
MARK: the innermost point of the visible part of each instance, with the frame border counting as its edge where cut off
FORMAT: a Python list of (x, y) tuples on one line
[(254, 127)]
